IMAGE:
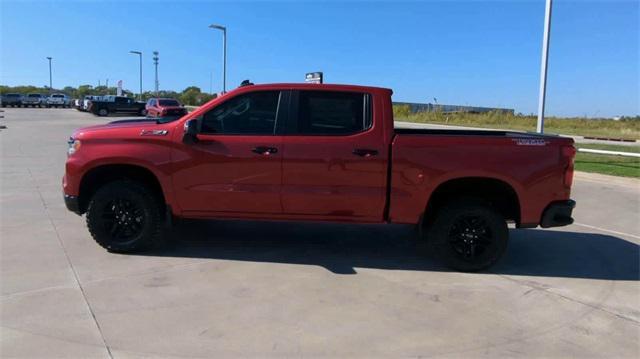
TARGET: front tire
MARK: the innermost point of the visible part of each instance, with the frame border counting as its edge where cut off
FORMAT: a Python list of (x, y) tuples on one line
[(103, 112), (124, 217), (469, 235)]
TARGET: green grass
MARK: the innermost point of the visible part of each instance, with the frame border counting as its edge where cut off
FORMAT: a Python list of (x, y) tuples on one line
[(628, 129), (620, 148), (607, 164)]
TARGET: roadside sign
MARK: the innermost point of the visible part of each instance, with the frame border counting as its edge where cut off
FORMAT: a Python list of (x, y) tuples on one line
[(119, 92), (313, 77)]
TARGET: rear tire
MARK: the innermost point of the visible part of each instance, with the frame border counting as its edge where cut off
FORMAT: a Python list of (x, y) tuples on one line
[(469, 235), (125, 217)]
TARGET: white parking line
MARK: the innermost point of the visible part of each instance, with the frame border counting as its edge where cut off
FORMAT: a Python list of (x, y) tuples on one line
[(607, 230)]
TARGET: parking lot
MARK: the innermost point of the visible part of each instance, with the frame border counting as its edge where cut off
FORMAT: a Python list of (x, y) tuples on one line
[(260, 289)]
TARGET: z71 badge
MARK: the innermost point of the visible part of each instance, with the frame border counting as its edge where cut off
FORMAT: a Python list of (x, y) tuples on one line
[(154, 133)]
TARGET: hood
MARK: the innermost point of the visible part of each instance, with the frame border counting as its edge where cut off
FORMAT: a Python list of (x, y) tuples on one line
[(120, 124)]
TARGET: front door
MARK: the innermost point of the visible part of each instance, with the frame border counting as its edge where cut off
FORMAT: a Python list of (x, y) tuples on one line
[(335, 162), (236, 167)]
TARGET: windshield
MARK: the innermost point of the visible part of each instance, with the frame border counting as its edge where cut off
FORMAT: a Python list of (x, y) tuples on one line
[(169, 103), (57, 96), (34, 95), (12, 95)]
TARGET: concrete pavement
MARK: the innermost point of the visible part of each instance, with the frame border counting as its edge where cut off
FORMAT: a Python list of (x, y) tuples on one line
[(252, 289)]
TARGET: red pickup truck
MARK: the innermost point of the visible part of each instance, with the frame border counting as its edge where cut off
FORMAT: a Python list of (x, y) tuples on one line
[(317, 152)]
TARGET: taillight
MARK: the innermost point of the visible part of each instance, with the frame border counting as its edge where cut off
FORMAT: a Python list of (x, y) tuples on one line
[(568, 154)]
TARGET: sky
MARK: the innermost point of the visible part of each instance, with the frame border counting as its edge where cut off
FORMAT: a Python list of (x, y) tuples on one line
[(477, 53)]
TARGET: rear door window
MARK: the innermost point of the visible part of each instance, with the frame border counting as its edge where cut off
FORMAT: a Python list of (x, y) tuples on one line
[(331, 113)]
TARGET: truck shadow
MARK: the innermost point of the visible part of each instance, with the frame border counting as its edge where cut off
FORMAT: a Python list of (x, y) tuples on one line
[(342, 248)]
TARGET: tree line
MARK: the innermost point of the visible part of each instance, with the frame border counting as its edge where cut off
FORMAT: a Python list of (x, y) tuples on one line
[(192, 95)]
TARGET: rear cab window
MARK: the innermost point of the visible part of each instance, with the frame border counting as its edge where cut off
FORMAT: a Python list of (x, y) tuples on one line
[(330, 113)]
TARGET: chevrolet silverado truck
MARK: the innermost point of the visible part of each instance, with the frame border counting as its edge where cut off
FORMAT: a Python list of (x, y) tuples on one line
[(12, 99), (58, 100), (116, 104), (35, 100), (317, 152)]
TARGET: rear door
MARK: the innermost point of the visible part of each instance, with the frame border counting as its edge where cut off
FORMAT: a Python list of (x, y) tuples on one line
[(335, 160), (121, 104), (236, 167)]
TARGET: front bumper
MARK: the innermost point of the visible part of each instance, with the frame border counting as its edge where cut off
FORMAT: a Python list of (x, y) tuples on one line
[(72, 203), (558, 214)]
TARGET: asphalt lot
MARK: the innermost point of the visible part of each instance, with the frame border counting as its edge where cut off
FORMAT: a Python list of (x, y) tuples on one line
[(250, 289)]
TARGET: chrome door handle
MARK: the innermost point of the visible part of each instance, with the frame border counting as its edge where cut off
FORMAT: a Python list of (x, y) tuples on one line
[(264, 150), (364, 152)]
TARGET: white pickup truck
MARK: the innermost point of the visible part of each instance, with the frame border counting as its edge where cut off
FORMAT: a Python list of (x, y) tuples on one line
[(58, 100)]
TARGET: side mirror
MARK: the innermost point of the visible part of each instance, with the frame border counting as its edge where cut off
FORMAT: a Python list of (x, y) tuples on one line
[(191, 129)]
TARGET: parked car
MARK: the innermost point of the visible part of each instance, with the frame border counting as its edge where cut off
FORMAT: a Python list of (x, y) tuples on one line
[(35, 100), (116, 104), (12, 99), (58, 100), (165, 107), (323, 153), (87, 100)]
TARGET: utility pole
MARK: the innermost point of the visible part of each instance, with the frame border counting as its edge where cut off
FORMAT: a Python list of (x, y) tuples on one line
[(139, 53), (50, 77), (543, 66), (224, 54), (155, 62)]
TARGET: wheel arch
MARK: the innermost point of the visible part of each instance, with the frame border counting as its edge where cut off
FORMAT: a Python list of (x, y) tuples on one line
[(100, 175), (500, 194)]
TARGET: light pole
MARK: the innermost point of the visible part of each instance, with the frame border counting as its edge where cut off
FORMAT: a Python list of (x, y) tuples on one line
[(155, 62), (224, 54), (50, 77), (543, 66), (140, 55)]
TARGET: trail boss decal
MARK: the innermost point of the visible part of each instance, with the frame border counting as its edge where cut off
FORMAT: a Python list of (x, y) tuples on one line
[(529, 142)]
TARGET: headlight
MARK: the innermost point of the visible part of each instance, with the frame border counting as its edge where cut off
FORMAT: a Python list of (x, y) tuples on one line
[(74, 146)]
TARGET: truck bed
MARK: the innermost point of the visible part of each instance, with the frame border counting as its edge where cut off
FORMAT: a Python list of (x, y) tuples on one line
[(466, 132)]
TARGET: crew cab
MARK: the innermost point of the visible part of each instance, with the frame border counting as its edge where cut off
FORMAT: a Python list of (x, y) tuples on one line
[(116, 104), (317, 152), (165, 107)]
